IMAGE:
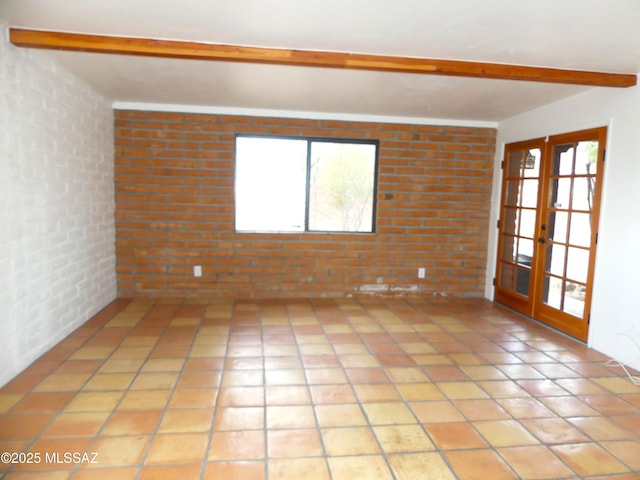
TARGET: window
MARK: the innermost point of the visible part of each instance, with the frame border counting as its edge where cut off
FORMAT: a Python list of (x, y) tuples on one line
[(298, 185)]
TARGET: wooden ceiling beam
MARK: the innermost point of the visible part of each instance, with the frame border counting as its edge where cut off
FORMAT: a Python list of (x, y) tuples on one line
[(309, 58)]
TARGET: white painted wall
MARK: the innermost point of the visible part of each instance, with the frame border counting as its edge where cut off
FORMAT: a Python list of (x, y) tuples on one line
[(616, 294), (57, 253)]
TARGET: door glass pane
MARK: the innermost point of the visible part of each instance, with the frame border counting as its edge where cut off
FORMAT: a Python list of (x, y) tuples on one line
[(580, 232), (555, 259), (583, 191), (529, 193), (522, 281), (553, 292), (557, 226), (525, 250), (506, 275), (514, 167), (586, 158), (564, 165), (511, 196), (532, 163), (528, 223), (509, 221), (574, 299), (509, 248), (561, 192), (577, 264)]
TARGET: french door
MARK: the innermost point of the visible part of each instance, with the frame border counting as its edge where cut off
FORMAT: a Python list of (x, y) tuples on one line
[(549, 228)]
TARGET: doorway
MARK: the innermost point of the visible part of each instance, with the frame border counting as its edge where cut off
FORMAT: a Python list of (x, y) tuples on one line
[(548, 228)]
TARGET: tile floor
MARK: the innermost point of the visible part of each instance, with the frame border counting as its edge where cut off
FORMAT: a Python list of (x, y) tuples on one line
[(340, 389)]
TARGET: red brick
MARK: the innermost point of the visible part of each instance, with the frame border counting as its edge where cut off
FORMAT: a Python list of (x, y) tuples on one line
[(174, 209)]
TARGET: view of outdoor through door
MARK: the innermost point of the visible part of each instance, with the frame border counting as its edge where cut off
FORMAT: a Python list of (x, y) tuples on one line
[(548, 228)]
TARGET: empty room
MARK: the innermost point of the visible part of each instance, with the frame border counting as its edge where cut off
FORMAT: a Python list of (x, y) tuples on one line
[(278, 240)]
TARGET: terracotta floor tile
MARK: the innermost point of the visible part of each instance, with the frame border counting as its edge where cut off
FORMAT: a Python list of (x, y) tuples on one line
[(384, 392), (416, 466), (505, 433), (132, 423), (542, 388), (626, 452), (239, 418), (526, 407), (419, 391), (186, 420), (568, 406), (323, 394), (119, 451), (340, 415), (479, 465), (483, 372), (371, 467), (436, 412), (121, 473), (298, 468), (403, 438), (610, 405), (536, 462), (40, 402), (241, 397), (554, 431), (290, 416), (145, 400), (193, 398), (461, 390), (455, 436), (288, 389), (199, 379), (589, 459), (62, 382), (17, 427), (349, 441), (294, 443), (84, 424), (238, 445), (601, 428), (122, 365), (235, 470), (177, 447), (503, 389), (484, 409), (109, 382), (388, 413)]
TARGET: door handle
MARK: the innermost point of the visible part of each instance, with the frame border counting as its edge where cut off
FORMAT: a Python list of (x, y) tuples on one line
[(543, 227), (541, 240)]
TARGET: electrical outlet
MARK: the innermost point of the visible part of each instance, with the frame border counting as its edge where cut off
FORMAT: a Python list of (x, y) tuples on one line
[(197, 270), (422, 272)]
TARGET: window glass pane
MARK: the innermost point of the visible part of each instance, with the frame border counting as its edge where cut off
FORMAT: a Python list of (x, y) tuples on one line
[(560, 193), (341, 186), (510, 220), (512, 196), (270, 184)]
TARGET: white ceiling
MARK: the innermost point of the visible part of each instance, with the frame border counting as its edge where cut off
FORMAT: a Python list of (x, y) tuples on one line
[(597, 35)]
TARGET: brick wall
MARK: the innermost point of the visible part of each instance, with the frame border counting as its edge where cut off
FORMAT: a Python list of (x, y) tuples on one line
[(57, 265), (174, 177)]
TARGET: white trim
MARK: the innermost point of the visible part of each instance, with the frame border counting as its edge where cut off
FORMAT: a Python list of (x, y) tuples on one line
[(256, 112)]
